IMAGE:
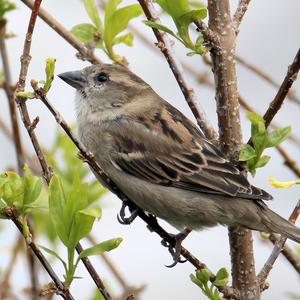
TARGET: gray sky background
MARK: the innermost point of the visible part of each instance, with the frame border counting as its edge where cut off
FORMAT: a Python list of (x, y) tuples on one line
[(269, 37)]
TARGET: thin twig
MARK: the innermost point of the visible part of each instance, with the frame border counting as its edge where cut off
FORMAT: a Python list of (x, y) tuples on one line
[(127, 289), (10, 97), (262, 74), (11, 214), (85, 53), (5, 282), (92, 271), (287, 252), (263, 274), (288, 81), (165, 46), (25, 59), (239, 14), (148, 219)]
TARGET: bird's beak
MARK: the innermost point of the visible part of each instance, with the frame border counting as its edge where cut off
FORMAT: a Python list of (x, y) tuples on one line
[(75, 79)]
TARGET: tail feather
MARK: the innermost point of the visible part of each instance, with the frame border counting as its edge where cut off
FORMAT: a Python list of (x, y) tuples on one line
[(276, 224)]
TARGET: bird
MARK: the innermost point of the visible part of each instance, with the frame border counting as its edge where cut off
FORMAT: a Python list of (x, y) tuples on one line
[(161, 160)]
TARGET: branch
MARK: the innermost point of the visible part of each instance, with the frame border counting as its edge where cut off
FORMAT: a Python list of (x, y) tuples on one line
[(263, 274), (240, 239), (11, 214), (291, 94), (151, 221), (11, 103), (85, 53), (288, 81), (239, 14), (165, 46), (127, 289)]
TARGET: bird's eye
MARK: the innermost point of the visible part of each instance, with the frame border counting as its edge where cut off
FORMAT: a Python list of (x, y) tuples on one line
[(102, 77)]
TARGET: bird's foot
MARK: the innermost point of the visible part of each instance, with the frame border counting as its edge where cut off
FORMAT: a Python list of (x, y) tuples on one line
[(175, 249), (122, 215)]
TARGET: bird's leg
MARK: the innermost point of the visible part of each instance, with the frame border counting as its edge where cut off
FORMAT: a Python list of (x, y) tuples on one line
[(122, 215), (175, 249)]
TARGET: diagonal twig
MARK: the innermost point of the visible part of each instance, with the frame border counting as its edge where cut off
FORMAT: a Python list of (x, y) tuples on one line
[(288, 81), (263, 274), (239, 14), (11, 213), (65, 33), (262, 74), (165, 46)]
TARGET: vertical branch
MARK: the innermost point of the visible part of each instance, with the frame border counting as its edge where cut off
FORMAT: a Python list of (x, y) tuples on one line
[(10, 97), (223, 61), (25, 60)]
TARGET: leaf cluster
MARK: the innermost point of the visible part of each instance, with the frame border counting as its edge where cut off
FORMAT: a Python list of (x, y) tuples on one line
[(73, 218), (108, 34), (261, 140), (183, 17), (6, 6), (202, 279)]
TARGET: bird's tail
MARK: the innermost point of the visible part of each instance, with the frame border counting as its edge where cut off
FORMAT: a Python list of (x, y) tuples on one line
[(276, 224)]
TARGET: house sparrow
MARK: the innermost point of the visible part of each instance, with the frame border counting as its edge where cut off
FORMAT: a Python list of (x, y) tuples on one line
[(160, 160)]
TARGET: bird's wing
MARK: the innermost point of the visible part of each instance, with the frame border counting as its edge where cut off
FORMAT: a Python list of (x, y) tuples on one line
[(167, 149)]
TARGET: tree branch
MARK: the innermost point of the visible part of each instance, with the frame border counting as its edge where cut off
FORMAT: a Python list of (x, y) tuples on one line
[(65, 34), (288, 81), (11, 214), (189, 94), (241, 246), (263, 274), (10, 97), (259, 72), (239, 14)]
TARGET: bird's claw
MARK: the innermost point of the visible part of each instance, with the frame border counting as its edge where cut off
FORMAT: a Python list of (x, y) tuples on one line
[(175, 249), (122, 215)]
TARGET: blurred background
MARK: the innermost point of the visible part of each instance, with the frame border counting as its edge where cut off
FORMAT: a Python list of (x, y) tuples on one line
[(269, 38)]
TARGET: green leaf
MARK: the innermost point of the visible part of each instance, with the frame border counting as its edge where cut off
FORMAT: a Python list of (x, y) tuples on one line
[(174, 8), (254, 118), (32, 187), (6, 6), (92, 11), (101, 248), (12, 189), (221, 277), (247, 152), (126, 39), (55, 255), (94, 212), (116, 21), (262, 161), (57, 203), (203, 275), (84, 32), (50, 67), (196, 281), (162, 28), (278, 136)]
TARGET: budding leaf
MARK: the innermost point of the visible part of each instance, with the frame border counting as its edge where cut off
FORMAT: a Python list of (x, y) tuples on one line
[(247, 152), (101, 248), (50, 67), (278, 136), (6, 6), (203, 275), (92, 11), (221, 277), (84, 32)]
